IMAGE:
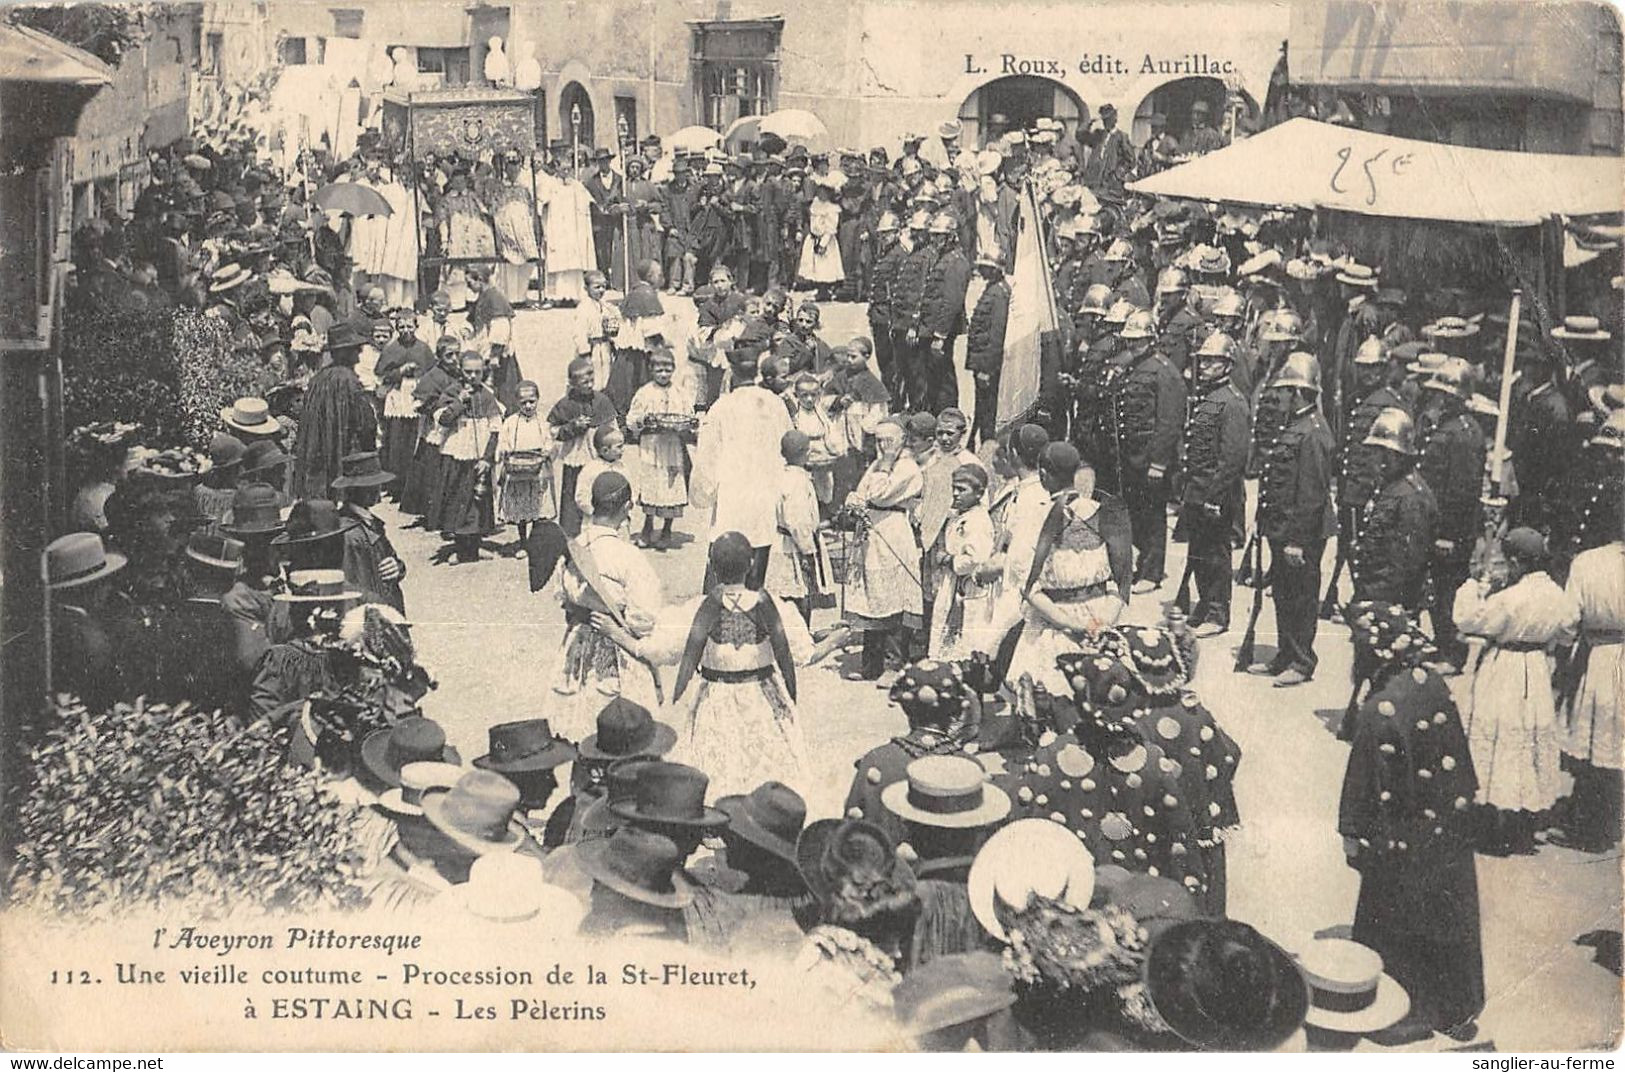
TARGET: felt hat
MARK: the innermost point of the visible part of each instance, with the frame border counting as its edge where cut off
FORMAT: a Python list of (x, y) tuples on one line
[(225, 451), (946, 991), (511, 888), (252, 415), (1220, 985), (316, 586), (946, 791), (210, 549), (477, 813), (672, 793), (411, 740), (1348, 991), (417, 778), (1026, 858), (311, 520), (770, 817), (601, 153), (256, 510), (526, 745), (638, 864), (361, 470), (79, 558), (343, 336)]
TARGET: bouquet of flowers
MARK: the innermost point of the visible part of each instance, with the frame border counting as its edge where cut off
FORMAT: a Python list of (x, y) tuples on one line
[(176, 808), (1093, 957)]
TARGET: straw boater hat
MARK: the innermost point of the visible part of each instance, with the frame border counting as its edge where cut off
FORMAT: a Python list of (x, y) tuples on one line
[(1028, 858), (1581, 329), (477, 813), (1220, 985), (1451, 327), (415, 780), (252, 415), (316, 586), (79, 558), (1356, 274), (1348, 991), (946, 791), (211, 549), (228, 277)]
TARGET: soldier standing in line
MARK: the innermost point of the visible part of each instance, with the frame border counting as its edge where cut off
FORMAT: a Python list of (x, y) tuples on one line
[(1295, 515), (1452, 446), (942, 320), (1096, 342), (1216, 442), (908, 299), (1179, 327), (882, 281), (1360, 467), (984, 344), (1148, 408)]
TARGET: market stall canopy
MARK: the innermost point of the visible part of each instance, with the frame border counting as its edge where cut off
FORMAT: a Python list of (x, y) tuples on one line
[(1304, 163), (27, 55)]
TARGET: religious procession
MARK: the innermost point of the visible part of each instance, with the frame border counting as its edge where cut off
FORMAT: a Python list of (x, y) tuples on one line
[(1045, 583)]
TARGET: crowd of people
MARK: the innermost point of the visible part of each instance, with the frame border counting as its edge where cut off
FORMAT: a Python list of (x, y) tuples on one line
[(1061, 793)]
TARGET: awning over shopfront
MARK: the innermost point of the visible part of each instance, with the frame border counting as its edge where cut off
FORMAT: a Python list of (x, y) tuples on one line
[(1304, 163), (1498, 46), (27, 55)]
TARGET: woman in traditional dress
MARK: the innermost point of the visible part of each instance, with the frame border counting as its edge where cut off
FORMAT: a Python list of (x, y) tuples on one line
[(821, 251), (1594, 737), (513, 216), (662, 416), (525, 449), (738, 719), (882, 588), (464, 508), (1407, 826), (963, 606), (1511, 717)]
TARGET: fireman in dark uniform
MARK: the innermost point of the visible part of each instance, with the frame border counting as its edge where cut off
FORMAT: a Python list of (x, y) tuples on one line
[(1216, 443), (1179, 327), (942, 320), (1295, 515), (1359, 472), (1545, 438), (907, 308), (1097, 342), (1452, 446), (882, 279), (1148, 411)]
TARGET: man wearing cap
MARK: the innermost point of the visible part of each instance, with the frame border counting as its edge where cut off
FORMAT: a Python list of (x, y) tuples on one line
[(1295, 514), (984, 345), (1453, 448), (942, 319), (337, 418), (606, 190)]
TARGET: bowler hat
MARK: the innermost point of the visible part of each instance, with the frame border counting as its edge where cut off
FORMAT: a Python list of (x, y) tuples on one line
[(311, 520), (770, 817), (79, 558), (525, 745), (225, 451), (477, 813), (411, 740), (255, 511), (638, 864), (361, 470), (671, 793), (1220, 985)]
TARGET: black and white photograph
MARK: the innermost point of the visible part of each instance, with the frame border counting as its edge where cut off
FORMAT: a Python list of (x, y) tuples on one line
[(880, 526)]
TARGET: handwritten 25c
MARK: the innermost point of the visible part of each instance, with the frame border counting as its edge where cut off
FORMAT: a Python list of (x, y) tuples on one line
[(1372, 166)]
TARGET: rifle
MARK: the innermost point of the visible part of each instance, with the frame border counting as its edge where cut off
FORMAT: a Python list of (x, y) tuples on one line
[(1244, 654), (1245, 576), (1328, 605), (1182, 599)]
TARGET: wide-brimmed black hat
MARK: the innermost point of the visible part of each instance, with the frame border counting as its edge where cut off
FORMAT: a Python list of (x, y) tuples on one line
[(638, 864), (526, 745), (627, 729), (342, 336), (770, 817), (256, 510), (1220, 985), (361, 470), (673, 794), (311, 520), (411, 740)]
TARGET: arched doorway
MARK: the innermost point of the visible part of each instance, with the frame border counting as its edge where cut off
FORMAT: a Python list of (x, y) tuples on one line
[(1173, 101), (574, 100), (1021, 99)]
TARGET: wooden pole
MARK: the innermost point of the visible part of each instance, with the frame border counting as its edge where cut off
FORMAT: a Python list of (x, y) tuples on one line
[(1508, 356)]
